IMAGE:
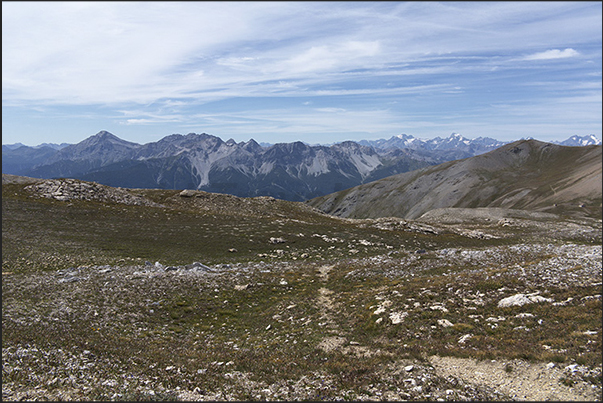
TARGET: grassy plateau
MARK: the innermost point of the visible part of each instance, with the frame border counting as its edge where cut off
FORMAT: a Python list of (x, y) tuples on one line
[(215, 297)]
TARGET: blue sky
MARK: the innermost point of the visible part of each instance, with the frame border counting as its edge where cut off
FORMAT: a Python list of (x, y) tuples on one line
[(319, 72)]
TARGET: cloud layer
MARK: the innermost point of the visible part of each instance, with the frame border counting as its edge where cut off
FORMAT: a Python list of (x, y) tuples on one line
[(275, 68)]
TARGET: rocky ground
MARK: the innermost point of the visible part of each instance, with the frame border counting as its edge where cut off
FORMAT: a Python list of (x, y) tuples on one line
[(499, 305)]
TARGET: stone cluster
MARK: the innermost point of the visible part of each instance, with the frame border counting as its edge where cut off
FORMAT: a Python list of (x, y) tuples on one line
[(71, 189)]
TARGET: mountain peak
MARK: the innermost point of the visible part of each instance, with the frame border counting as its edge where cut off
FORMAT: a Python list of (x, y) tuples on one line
[(576, 140), (103, 134)]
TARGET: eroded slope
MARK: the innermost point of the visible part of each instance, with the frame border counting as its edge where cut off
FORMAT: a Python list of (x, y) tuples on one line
[(523, 175)]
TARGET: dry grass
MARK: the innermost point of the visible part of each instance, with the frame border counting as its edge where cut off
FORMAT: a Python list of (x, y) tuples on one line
[(84, 317)]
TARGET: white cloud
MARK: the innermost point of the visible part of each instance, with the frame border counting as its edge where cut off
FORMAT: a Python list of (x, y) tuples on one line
[(338, 56), (330, 110), (106, 53), (552, 54), (162, 60)]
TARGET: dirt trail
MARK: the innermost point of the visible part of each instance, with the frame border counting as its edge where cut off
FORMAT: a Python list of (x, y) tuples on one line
[(523, 380), (326, 307), (335, 337)]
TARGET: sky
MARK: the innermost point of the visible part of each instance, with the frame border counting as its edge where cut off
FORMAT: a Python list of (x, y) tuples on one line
[(319, 72)]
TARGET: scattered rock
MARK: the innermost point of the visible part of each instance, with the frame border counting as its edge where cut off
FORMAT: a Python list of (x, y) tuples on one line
[(438, 308), (187, 193), (72, 189), (522, 299), (464, 338), (445, 323), (397, 317)]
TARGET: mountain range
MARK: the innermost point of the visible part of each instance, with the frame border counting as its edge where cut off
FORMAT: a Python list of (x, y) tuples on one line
[(291, 171), (527, 174)]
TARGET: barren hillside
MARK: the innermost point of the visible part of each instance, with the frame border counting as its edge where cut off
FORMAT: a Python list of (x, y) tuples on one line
[(527, 174)]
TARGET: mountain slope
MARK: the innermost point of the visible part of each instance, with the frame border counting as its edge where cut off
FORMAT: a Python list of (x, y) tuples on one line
[(526, 174), (20, 159), (290, 171)]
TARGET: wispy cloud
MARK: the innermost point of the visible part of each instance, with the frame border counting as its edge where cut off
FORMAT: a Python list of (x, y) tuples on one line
[(167, 62), (552, 54)]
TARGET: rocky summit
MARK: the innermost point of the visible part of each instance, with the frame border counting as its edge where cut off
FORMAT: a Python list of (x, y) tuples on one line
[(156, 294)]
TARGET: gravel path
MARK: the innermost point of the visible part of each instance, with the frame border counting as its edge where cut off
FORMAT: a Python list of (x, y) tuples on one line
[(522, 380)]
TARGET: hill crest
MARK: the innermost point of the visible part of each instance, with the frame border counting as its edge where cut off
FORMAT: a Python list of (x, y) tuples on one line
[(526, 174)]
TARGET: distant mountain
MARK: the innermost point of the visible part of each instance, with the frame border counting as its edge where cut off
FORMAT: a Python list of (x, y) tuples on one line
[(581, 141), (23, 158), (13, 146), (526, 174), (455, 142), (17, 158), (291, 171), (50, 145)]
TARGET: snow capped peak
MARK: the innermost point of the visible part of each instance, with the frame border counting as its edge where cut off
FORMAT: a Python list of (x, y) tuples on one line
[(594, 140), (576, 140), (457, 137)]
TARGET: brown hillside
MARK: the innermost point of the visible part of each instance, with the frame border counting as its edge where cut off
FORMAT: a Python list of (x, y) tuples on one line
[(526, 174)]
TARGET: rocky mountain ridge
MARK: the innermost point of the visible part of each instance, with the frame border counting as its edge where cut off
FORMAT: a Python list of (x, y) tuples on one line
[(291, 171)]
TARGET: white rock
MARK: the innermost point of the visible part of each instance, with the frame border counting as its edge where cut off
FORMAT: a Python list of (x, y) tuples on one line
[(187, 193), (379, 310), (445, 323), (522, 299), (438, 308), (409, 368), (397, 317), (464, 338)]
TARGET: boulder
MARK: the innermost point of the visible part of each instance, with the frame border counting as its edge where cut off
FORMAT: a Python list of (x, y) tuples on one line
[(522, 299)]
